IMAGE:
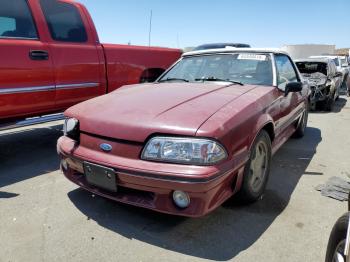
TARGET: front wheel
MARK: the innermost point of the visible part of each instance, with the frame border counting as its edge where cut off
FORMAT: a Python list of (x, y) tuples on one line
[(328, 104), (337, 239), (302, 124), (257, 169), (337, 94)]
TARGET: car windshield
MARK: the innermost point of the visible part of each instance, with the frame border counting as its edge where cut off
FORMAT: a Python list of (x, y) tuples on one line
[(343, 61), (246, 68), (312, 67)]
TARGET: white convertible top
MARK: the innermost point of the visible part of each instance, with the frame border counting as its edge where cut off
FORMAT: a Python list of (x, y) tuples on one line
[(235, 50)]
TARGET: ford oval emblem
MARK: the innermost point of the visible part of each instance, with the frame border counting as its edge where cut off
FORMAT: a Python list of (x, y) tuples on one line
[(106, 147)]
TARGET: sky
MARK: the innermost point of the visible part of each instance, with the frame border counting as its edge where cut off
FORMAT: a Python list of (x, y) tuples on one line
[(260, 23)]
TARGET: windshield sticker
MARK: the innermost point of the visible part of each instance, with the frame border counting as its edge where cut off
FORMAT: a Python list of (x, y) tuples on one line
[(251, 57)]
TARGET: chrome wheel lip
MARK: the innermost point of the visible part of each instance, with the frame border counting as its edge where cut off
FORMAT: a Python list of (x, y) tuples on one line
[(339, 255), (258, 166)]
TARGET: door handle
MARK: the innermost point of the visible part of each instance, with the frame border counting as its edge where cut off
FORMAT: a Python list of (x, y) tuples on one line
[(39, 55)]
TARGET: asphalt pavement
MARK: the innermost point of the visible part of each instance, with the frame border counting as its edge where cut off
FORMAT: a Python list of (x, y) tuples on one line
[(44, 217)]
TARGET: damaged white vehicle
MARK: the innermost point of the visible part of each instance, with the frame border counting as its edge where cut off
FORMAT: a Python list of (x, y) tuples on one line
[(324, 80), (341, 63)]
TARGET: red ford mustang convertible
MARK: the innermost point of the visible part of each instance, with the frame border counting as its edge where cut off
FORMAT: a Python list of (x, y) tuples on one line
[(204, 131)]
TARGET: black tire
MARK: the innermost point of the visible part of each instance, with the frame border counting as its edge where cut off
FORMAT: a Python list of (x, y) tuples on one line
[(337, 237), (328, 104), (302, 124), (248, 193), (312, 106), (337, 93)]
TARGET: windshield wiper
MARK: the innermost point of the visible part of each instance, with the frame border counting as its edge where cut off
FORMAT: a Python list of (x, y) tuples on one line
[(218, 79), (173, 79)]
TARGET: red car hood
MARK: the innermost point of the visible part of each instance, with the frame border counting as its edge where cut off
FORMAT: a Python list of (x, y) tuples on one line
[(135, 112)]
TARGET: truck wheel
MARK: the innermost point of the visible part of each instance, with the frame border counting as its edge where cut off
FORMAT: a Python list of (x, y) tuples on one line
[(336, 242), (257, 169), (302, 124)]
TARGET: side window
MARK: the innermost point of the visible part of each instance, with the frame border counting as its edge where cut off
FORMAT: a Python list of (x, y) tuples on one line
[(336, 61), (334, 69), (331, 69), (16, 20), (64, 21), (285, 71)]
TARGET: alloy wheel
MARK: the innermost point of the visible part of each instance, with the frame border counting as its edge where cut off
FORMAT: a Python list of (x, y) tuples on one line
[(258, 166)]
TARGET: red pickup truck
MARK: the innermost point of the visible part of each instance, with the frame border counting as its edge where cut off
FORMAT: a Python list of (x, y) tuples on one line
[(51, 59)]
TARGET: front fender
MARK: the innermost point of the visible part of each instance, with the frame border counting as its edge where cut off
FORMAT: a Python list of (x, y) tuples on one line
[(264, 121)]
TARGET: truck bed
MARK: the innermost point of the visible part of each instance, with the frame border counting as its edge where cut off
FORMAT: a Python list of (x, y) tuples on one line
[(128, 64)]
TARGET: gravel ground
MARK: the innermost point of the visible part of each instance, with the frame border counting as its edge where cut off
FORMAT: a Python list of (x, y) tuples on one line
[(44, 217)]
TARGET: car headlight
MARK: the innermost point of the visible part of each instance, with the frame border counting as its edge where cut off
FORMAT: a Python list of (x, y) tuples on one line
[(196, 151), (71, 128)]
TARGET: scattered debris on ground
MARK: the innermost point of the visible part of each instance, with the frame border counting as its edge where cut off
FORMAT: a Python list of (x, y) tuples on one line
[(336, 188)]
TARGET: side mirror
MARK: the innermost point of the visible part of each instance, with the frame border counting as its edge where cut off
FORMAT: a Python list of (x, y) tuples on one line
[(293, 87), (338, 74)]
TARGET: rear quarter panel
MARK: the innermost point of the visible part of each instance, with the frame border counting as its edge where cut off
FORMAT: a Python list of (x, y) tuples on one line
[(125, 64)]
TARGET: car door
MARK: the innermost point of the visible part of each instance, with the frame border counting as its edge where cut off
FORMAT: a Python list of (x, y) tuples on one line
[(335, 79), (78, 70), (26, 73), (291, 104)]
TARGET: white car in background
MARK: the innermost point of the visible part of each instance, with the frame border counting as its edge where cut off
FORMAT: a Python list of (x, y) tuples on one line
[(324, 81), (341, 62)]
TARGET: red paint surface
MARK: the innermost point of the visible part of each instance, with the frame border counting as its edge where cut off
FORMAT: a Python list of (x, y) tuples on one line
[(128, 117), (111, 66)]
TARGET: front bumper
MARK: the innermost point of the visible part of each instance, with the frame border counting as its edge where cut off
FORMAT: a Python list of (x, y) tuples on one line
[(319, 93), (153, 190)]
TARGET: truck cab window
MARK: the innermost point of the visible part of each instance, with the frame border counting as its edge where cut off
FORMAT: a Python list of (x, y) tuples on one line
[(64, 21), (16, 20)]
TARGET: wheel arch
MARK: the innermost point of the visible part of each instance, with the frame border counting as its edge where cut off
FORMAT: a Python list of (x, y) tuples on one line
[(151, 74), (265, 123), (270, 129)]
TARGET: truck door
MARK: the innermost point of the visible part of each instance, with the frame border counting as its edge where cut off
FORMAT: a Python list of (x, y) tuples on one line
[(26, 75), (79, 73)]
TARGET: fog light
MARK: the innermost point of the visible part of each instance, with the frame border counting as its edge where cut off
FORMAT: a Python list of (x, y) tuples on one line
[(181, 199), (64, 164)]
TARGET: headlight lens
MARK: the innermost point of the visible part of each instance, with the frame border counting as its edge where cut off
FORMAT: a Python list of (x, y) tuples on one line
[(71, 128), (195, 151)]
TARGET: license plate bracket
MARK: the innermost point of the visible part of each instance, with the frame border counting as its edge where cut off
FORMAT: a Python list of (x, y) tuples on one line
[(100, 176)]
